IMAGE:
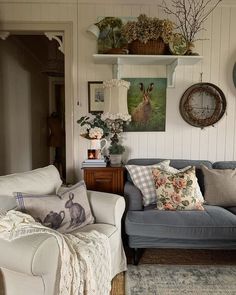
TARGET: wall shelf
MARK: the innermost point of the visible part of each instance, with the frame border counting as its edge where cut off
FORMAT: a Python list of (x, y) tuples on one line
[(170, 61)]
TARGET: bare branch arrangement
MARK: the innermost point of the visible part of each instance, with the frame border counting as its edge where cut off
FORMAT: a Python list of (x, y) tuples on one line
[(190, 15)]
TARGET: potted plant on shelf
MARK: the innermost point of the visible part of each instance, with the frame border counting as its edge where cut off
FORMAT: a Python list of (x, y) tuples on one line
[(148, 35), (115, 151), (110, 39)]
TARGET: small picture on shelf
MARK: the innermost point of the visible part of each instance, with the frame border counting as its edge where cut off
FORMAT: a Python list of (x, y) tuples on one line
[(94, 154)]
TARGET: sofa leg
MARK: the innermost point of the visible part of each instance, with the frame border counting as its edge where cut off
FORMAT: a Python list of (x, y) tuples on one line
[(137, 253)]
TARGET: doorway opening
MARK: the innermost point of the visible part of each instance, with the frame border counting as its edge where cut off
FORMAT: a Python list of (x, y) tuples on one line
[(36, 99)]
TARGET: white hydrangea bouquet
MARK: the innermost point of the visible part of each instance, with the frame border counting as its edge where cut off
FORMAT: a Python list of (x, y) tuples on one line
[(93, 127)]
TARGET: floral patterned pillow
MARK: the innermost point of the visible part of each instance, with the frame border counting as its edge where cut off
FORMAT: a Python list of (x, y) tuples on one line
[(176, 191)]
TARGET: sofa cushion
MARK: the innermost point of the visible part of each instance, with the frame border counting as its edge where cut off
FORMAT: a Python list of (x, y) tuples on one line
[(64, 213), (178, 164), (7, 203), (176, 191), (106, 229), (133, 197), (197, 194), (220, 186), (142, 178), (214, 223), (224, 165), (44, 180)]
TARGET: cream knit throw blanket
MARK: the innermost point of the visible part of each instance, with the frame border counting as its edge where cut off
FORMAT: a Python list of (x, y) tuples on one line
[(85, 263)]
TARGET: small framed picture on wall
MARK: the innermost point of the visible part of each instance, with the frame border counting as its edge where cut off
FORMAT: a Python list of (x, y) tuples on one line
[(95, 97)]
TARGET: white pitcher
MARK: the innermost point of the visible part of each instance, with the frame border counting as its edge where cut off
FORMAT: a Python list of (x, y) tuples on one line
[(98, 145)]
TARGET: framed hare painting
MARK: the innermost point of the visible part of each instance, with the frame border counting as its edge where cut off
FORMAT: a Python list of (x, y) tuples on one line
[(147, 104)]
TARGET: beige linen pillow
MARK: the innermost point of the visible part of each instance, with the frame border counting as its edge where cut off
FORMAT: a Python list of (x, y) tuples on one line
[(176, 191), (64, 213), (220, 186)]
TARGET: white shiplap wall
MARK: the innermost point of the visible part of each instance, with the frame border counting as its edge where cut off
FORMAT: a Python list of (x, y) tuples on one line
[(180, 140)]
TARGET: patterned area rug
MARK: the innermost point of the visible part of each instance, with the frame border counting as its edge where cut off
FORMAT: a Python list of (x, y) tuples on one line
[(154, 279)]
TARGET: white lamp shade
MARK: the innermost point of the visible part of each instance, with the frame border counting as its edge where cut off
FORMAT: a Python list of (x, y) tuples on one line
[(115, 96)]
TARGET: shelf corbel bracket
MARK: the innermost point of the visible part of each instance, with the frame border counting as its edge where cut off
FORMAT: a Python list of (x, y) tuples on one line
[(116, 70), (171, 73), (59, 37)]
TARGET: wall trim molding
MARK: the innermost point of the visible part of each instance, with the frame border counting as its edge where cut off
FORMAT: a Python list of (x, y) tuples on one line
[(21, 27)]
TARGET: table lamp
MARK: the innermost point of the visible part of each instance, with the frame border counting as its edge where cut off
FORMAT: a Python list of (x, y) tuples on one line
[(115, 106)]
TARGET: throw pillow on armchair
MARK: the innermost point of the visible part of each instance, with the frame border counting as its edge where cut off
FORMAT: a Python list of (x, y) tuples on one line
[(65, 213)]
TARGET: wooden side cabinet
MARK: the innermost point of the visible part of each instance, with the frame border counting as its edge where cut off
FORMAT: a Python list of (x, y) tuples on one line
[(105, 179)]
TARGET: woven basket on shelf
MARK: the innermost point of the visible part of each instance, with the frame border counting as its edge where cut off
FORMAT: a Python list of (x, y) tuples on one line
[(151, 47)]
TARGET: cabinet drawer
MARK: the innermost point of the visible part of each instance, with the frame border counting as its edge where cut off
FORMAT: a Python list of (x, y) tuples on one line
[(108, 179)]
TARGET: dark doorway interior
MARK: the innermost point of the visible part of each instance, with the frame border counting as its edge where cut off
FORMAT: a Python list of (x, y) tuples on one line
[(32, 90)]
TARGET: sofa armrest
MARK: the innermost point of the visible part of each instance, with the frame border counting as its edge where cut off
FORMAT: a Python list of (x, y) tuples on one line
[(29, 254), (107, 208), (133, 197)]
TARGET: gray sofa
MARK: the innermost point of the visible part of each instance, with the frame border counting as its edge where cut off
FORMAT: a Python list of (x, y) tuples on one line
[(214, 228)]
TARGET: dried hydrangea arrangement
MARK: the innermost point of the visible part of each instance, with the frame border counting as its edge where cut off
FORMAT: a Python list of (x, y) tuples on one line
[(148, 28)]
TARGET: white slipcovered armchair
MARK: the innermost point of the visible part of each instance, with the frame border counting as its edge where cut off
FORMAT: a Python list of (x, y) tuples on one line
[(29, 264)]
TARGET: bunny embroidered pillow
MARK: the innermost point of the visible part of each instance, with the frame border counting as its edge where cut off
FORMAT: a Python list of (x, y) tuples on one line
[(65, 212)]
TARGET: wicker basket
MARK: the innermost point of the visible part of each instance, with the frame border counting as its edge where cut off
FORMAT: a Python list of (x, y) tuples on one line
[(151, 47)]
